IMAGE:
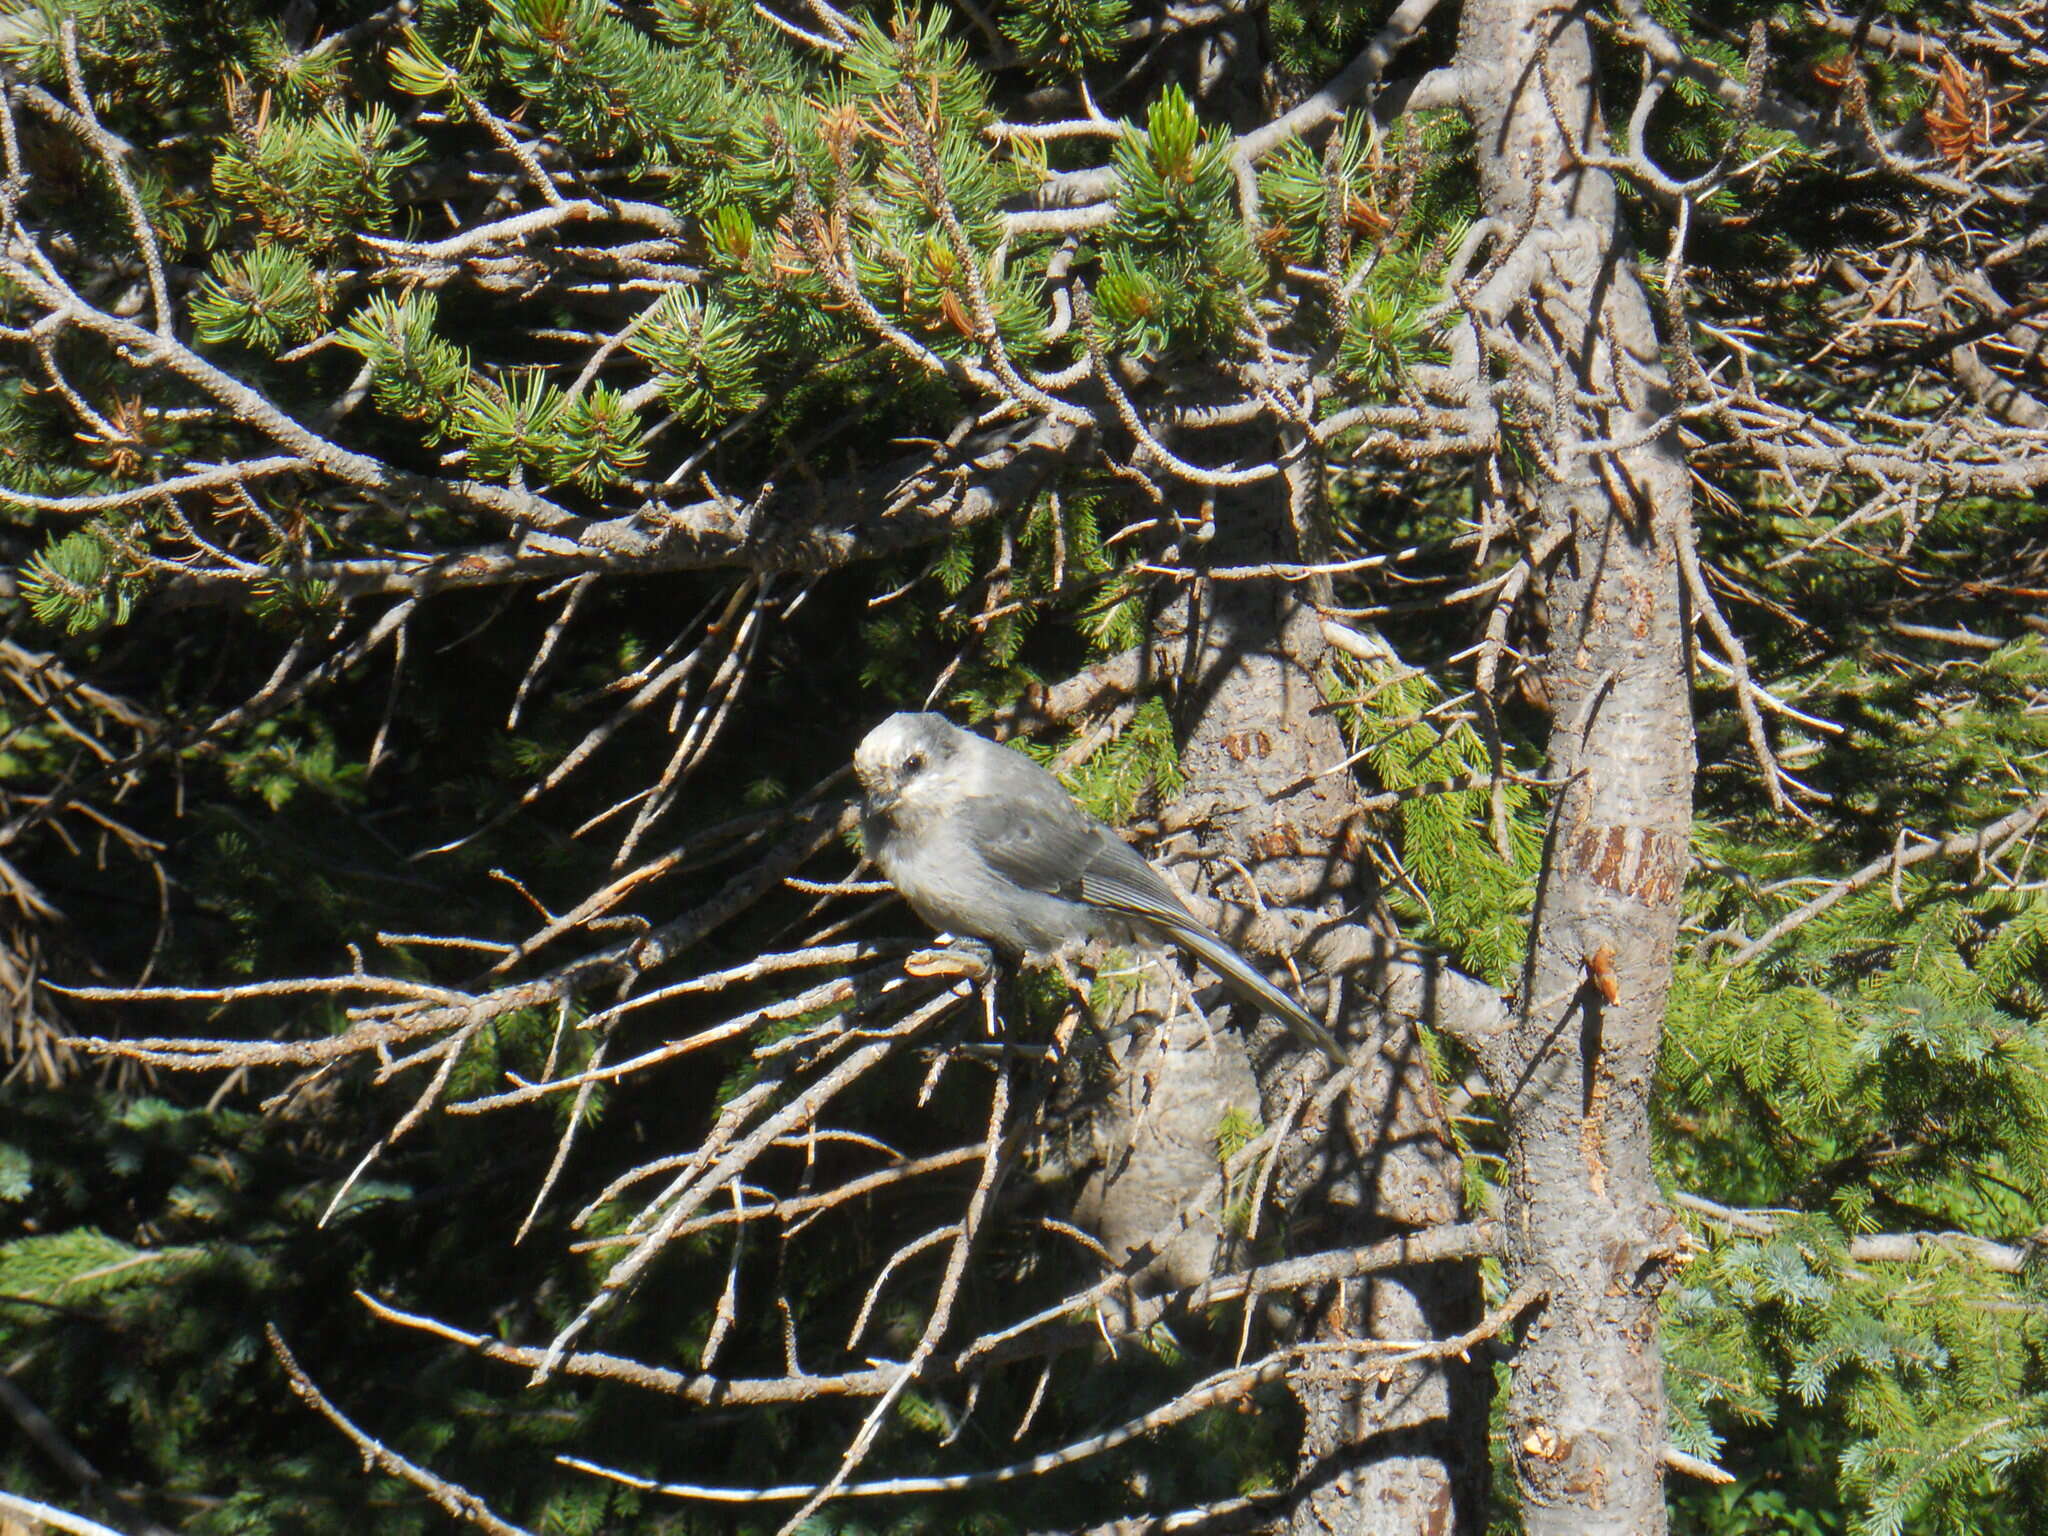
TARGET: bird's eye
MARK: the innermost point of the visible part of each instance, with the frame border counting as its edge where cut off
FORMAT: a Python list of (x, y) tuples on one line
[(914, 763)]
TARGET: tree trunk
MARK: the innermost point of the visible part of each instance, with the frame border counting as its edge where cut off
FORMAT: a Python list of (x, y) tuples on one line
[(1586, 1412), (1384, 1448)]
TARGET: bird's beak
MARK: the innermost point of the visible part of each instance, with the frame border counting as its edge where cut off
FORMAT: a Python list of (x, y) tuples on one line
[(879, 802)]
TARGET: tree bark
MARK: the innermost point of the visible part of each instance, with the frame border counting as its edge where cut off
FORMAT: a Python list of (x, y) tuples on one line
[(1586, 1413), (1384, 1448)]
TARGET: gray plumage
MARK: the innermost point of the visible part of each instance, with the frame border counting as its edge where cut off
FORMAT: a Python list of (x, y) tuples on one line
[(982, 841)]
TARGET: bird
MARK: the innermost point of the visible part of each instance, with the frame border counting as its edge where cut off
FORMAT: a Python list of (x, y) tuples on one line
[(982, 842)]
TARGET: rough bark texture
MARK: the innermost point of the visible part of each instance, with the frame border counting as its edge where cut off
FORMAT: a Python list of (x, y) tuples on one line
[(1400, 1448), (1154, 1136), (1586, 1413)]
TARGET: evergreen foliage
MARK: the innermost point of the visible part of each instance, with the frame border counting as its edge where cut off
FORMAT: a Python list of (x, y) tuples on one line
[(257, 722)]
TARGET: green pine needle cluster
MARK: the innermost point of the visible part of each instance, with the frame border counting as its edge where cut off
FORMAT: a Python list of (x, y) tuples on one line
[(1461, 862), (1882, 1069), (314, 180), (1178, 265), (1072, 33), (266, 299), (81, 582), (414, 373), (1141, 762), (703, 354), (604, 86)]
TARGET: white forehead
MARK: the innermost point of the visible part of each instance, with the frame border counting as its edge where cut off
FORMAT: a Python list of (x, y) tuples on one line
[(899, 736)]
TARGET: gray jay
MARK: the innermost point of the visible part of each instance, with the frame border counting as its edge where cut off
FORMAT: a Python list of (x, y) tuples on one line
[(982, 841)]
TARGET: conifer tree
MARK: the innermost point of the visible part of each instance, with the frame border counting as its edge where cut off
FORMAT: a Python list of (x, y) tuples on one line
[(1532, 514)]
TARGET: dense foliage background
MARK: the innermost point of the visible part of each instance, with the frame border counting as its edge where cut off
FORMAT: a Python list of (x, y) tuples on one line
[(601, 540)]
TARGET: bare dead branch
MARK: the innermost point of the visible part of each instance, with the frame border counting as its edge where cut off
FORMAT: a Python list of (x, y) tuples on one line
[(1985, 844), (451, 1497)]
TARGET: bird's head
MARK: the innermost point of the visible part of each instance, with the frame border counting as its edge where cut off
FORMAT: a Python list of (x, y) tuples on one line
[(904, 759)]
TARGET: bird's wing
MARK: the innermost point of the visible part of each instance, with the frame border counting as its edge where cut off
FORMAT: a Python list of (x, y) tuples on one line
[(1063, 851), (1117, 877), (1039, 847)]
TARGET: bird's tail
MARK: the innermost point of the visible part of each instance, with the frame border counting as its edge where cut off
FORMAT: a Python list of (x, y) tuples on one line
[(1243, 978)]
